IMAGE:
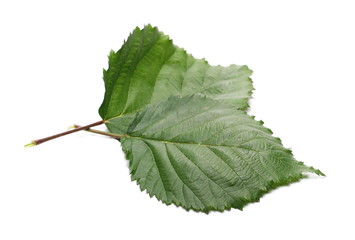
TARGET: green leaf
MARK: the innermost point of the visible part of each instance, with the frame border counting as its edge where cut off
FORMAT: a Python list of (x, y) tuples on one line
[(149, 68), (183, 128), (204, 155)]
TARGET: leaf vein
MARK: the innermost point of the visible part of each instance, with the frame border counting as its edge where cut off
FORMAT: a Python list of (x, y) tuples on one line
[(172, 165), (198, 167)]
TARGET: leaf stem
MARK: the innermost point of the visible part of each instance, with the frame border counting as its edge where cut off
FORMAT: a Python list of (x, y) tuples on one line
[(116, 136), (42, 140)]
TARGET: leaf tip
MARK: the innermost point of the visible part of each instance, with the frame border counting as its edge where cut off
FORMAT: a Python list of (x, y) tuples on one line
[(319, 172)]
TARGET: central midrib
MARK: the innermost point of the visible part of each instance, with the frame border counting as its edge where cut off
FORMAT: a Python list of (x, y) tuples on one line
[(187, 143)]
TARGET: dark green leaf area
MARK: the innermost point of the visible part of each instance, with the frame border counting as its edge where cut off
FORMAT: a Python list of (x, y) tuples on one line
[(204, 155), (149, 68)]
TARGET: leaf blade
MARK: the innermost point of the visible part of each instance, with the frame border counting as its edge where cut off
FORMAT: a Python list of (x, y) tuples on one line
[(149, 68), (173, 156)]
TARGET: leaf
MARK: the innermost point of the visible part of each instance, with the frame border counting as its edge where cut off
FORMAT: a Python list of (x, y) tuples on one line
[(183, 129), (204, 155), (149, 68)]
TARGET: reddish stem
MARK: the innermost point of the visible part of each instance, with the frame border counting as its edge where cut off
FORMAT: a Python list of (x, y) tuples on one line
[(42, 140)]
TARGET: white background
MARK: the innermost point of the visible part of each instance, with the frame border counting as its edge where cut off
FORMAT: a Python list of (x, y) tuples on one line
[(78, 187)]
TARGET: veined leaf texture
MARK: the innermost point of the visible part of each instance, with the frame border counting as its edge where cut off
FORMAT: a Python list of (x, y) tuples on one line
[(184, 130)]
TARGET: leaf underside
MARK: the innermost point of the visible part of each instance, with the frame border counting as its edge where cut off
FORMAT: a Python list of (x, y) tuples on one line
[(207, 156), (185, 132), (149, 68)]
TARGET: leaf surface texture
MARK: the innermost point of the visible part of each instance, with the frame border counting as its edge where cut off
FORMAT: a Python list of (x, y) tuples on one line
[(149, 68), (184, 130), (205, 155)]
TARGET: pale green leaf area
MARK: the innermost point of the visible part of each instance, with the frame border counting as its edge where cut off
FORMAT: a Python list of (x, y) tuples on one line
[(204, 155), (149, 68)]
